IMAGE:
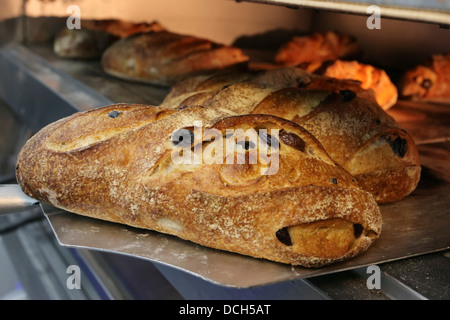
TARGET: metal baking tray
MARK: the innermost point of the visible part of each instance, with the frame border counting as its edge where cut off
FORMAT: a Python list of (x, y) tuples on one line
[(417, 225), (431, 11)]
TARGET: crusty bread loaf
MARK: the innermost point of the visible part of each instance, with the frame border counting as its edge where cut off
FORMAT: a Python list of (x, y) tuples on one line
[(122, 28), (353, 129), (319, 46), (95, 36), (429, 81), (165, 58), (370, 78), (116, 163), (82, 43)]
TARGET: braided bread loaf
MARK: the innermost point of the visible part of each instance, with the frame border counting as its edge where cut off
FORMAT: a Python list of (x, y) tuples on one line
[(116, 163), (346, 119)]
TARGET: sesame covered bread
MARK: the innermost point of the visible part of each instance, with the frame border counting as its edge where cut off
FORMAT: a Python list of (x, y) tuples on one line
[(291, 203)]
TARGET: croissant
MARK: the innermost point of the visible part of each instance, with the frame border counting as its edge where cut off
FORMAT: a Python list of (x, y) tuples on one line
[(353, 129), (122, 163)]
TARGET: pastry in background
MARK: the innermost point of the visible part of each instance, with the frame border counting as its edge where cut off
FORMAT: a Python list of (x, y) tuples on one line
[(317, 47), (165, 58), (429, 81), (95, 36), (370, 78)]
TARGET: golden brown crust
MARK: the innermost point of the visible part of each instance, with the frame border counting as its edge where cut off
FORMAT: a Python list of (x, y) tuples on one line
[(326, 54), (317, 47), (429, 81), (121, 28), (165, 58), (114, 163), (370, 78), (354, 130), (95, 36)]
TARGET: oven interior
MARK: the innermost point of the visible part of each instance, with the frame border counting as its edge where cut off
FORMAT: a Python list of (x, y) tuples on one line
[(37, 87)]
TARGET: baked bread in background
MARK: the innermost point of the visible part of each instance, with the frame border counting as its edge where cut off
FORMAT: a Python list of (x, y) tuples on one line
[(95, 36), (333, 55), (353, 129), (82, 43), (165, 58), (319, 46), (370, 78), (115, 163), (122, 28), (429, 81)]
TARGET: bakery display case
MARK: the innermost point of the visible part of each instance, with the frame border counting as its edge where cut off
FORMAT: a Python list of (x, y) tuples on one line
[(40, 245)]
